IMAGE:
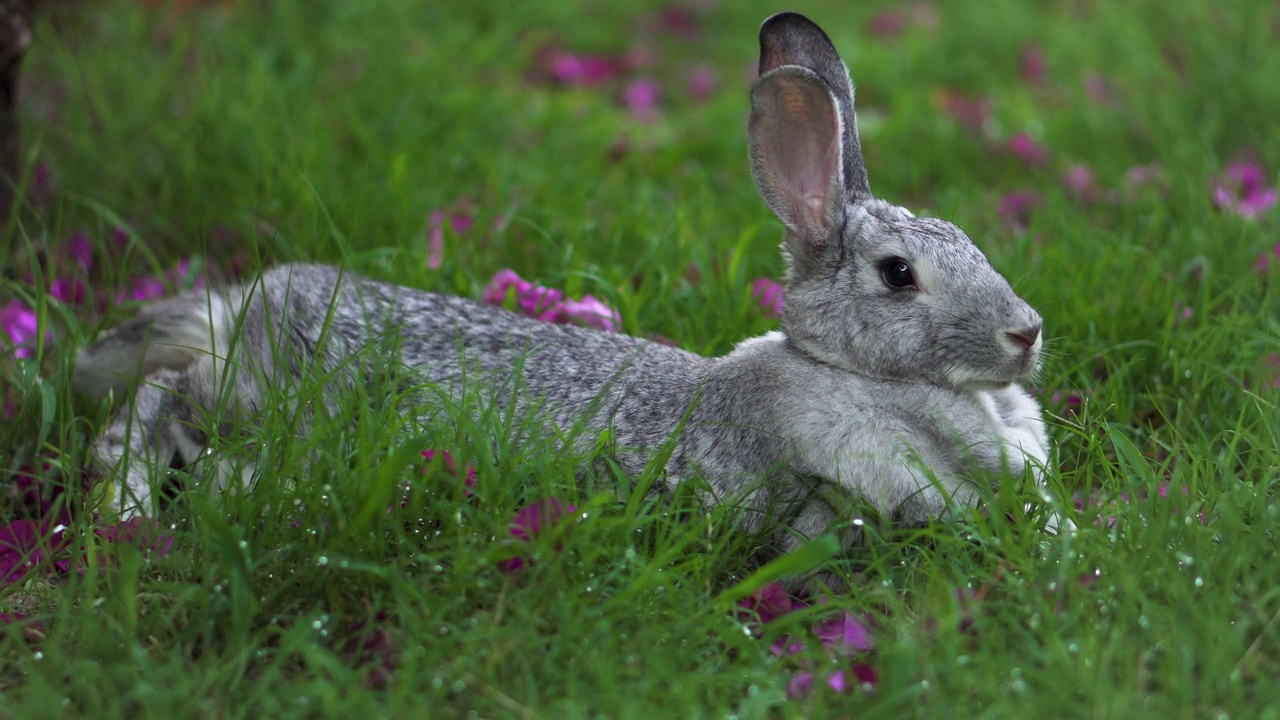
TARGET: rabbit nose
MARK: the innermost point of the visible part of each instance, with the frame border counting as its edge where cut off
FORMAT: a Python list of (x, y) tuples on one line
[(1024, 338)]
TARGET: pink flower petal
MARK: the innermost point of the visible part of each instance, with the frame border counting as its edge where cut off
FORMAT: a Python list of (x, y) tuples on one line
[(1243, 189), (703, 82), (844, 634), (769, 294), (81, 250), (20, 324), (641, 99), (435, 240), (1033, 65), (769, 602), (1016, 207), (1080, 184), (590, 312), (581, 70), (1026, 149), (799, 685)]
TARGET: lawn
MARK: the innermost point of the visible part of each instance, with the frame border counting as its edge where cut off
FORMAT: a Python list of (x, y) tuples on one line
[(1115, 161)]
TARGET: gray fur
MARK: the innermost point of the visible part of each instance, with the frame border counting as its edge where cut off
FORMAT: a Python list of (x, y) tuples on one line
[(905, 398)]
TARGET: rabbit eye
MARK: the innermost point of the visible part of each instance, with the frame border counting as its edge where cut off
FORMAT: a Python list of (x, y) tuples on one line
[(897, 273)]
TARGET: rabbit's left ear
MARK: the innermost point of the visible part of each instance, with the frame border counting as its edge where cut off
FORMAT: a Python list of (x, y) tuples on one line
[(796, 159), (792, 39)]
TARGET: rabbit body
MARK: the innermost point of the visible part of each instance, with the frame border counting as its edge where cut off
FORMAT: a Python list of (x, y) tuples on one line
[(893, 378)]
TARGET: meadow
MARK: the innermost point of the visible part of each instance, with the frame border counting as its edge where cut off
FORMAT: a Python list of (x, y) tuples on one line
[(1116, 161)]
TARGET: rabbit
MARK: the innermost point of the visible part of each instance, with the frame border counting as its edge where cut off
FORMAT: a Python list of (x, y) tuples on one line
[(893, 380)]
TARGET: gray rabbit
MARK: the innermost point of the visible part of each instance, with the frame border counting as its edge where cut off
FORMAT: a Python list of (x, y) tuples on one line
[(892, 382)]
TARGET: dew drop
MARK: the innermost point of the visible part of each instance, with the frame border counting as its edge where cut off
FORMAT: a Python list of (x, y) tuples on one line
[(37, 655), (322, 560), (857, 522), (1199, 582)]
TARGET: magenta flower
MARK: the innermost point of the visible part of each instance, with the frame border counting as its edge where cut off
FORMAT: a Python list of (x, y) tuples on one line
[(678, 20), (81, 250), (70, 292), (147, 288), (1142, 178), (1016, 207), (1033, 65), (550, 304), (447, 459), (703, 82), (20, 324), (459, 223), (840, 681), (1026, 149), (641, 98), (589, 312), (1079, 183), (531, 521), (41, 184), (1266, 259), (372, 647), (1242, 188), (1097, 88), (24, 544), (844, 635), (971, 112), (142, 533), (769, 294), (767, 603), (581, 70)]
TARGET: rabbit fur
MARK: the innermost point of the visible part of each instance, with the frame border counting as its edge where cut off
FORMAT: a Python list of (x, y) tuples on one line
[(893, 379)]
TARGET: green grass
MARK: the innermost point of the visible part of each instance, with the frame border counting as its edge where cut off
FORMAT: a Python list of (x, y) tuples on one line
[(327, 130)]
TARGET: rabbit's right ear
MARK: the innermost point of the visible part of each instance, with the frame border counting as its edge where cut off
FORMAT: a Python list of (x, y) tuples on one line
[(797, 159)]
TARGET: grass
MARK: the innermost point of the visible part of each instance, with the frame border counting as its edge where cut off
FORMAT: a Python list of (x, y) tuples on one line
[(250, 133)]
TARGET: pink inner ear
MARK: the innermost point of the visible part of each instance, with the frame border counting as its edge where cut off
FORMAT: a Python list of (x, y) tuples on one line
[(813, 184)]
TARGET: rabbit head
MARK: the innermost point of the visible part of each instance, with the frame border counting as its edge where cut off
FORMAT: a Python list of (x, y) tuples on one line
[(870, 287)]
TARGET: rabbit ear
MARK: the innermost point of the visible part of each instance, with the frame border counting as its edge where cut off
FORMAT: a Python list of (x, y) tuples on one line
[(792, 39), (796, 158)]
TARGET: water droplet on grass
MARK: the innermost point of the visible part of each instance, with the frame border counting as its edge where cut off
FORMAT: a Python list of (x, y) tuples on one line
[(1199, 582), (322, 561)]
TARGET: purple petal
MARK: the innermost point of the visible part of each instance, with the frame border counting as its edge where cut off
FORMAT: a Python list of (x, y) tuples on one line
[(70, 292), (703, 82), (1033, 65), (532, 519), (581, 70), (641, 99), (786, 646), (1079, 182), (1243, 189), (800, 685), (81, 250), (769, 602), (590, 312), (435, 240), (20, 324), (769, 294), (1016, 207), (1026, 149), (540, 303), (447, 459), (495, 293), (844, 634)]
